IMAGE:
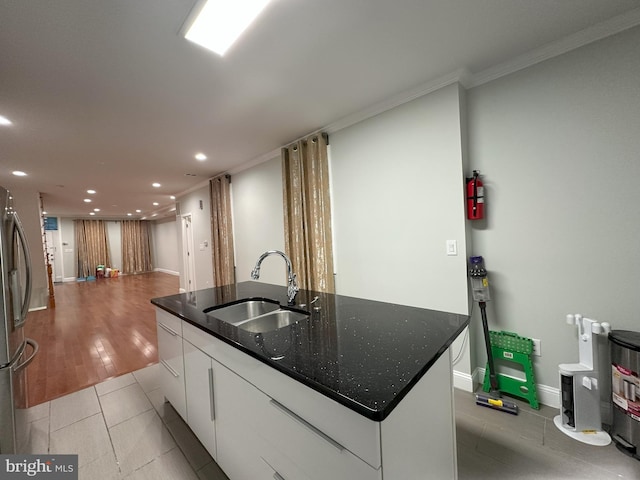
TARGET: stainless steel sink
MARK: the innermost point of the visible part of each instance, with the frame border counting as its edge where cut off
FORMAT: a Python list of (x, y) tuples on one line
[(272, 321), (243, 310), (257, 315)]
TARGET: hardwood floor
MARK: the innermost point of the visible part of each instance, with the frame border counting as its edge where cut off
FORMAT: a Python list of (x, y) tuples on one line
[(98, 330)]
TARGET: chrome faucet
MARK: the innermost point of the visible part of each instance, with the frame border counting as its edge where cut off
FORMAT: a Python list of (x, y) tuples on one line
[(292, 287)]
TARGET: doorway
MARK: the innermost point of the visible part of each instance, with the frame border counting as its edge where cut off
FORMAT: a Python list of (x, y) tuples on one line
[(53, 250)]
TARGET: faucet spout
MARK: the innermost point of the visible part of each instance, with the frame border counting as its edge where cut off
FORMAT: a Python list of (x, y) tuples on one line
[(292, 285)]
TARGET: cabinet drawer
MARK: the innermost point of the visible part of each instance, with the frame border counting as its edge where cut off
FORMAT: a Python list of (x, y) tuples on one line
[(172, 369), (310, 449), (169, 323)]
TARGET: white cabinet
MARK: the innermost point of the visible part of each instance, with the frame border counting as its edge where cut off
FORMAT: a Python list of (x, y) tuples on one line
[(171, 359), (200, 382), (260, 424)]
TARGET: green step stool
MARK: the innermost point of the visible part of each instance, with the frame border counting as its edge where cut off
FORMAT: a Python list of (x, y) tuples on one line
[(511, 347)]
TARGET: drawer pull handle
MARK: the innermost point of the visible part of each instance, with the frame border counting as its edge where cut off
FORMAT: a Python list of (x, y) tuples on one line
[(168, 367), (170, 330), (303, 422), (276, 475), (213, 407)]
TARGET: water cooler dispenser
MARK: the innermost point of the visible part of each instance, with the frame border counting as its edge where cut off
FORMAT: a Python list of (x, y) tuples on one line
[(580, 387)]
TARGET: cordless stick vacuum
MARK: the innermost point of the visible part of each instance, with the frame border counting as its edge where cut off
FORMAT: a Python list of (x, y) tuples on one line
[(480, 292)]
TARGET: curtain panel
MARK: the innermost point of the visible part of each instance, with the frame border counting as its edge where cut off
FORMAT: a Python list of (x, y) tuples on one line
[(91, 245), (307, 212), (222, 231), (136, 246)]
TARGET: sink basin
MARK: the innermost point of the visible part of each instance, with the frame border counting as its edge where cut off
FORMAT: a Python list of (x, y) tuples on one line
[(272, 321), (243, 310)]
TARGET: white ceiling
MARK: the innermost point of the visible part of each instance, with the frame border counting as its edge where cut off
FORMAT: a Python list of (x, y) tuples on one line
[(106, 94)]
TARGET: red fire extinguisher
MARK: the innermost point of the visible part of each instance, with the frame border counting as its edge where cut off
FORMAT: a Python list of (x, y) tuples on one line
[(475, 197)]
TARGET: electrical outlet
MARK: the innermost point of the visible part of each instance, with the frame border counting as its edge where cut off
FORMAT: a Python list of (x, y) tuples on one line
[(536, 347)]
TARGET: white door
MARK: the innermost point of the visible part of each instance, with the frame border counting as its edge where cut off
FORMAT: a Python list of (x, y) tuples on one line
[(53, 239), (187, 254)]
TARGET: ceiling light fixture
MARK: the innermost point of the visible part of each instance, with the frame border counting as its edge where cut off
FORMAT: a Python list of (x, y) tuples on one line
[(87, 200), (155, 204), (201, 156), (156, 185), (219, 23), (91, 192), (5, 121), (138, 211), (19, 173)]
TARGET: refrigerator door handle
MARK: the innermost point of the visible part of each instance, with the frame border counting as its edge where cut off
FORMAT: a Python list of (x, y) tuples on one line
[(29, 359), (16, 356), (20, 311)]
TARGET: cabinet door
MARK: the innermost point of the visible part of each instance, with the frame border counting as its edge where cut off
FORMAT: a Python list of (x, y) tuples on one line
[(172, 371), (240, 450), (200, 384)]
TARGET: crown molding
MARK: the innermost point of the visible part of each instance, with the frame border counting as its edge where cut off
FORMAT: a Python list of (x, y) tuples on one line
[(579, 39)]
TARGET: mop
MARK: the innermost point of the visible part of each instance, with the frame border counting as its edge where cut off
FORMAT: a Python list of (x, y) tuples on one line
[(480, 291)]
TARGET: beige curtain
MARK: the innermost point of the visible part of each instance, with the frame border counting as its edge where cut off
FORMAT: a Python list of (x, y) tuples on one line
[(222, 231), (136, 246), (307, 212), (92, 246)]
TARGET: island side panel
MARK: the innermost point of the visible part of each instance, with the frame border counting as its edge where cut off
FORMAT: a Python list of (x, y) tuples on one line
[(419, 436)]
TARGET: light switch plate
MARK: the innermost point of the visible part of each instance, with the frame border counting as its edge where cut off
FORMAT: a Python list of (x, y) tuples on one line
[(452, 247)]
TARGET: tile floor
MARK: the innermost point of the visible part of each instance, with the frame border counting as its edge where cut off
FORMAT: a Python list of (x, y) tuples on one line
[(122, 428)]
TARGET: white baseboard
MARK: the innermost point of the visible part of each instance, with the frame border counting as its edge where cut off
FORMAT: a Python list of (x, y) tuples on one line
[(463, 381), (164, 270), (547, 395), (69, 279)]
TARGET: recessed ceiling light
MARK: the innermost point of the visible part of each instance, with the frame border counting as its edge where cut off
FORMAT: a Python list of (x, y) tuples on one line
[(91, 192), (219, 23), (155, 204), (44, 213), (129, 214), (92, 213), (5, 121), (156, 185), (201, 156), (96, 209), (138, 211), (172, 197), (87, 200), (18, 173)]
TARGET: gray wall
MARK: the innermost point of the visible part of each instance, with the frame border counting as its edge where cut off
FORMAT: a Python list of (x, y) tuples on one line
[(164, 245), (397, 198), (258, 221), (558, 144)]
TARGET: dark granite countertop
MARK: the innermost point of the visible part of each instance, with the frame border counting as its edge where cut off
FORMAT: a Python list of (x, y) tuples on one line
[(364, 354)]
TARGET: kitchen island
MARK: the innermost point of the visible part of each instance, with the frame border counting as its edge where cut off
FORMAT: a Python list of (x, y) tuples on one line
[(359, 389)]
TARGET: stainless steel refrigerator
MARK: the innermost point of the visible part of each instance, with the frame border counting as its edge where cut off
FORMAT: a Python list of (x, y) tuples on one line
[(16, 351)]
